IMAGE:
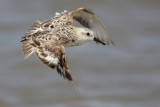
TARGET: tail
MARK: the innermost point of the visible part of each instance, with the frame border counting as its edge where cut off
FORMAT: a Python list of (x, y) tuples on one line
[(28, 48), (28, 45)]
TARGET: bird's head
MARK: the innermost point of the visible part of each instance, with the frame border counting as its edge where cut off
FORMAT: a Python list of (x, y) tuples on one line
[(84, 34)]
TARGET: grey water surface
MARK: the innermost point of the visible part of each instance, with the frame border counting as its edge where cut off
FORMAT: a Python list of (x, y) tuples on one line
[(127, 75)]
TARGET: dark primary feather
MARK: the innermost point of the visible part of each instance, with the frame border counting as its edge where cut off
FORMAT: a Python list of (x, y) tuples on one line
[(88, 19)]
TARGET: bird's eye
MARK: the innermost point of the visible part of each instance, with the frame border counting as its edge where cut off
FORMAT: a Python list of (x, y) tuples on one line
[(88, 34)]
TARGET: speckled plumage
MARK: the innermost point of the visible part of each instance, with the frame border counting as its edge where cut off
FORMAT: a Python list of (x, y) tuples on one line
[(47, 39)]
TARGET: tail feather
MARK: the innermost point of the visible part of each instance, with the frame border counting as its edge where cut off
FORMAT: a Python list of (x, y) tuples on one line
[(27, 48), (27, 54)]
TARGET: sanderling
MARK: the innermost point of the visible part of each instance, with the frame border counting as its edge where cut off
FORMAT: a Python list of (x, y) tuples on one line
[(48, 39)]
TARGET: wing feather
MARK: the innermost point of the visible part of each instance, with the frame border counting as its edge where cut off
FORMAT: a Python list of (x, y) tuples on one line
[(54, 56), (49, 51), (88, 19)]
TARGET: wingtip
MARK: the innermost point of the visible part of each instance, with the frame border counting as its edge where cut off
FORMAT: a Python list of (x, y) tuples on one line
[(75, 88), (113, 43)]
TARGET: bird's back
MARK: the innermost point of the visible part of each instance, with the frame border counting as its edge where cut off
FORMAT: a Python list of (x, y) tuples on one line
[(58, 29)]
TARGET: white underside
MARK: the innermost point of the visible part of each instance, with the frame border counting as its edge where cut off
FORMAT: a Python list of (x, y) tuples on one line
[(50, 57), (52, 60)]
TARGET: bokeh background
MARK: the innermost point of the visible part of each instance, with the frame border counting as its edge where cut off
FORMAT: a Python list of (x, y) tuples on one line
[(127, 75)]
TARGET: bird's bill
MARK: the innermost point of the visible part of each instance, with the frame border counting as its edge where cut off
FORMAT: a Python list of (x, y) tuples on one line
[(98, 41)]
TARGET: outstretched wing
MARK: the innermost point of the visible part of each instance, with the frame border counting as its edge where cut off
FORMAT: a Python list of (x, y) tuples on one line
[(88, 19), (54, 56), (49, 51)]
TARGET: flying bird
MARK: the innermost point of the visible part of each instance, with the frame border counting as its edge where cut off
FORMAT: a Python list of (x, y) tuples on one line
[(48, 39)]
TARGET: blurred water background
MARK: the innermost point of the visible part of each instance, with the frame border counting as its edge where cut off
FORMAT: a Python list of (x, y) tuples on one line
[(127, 75)]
